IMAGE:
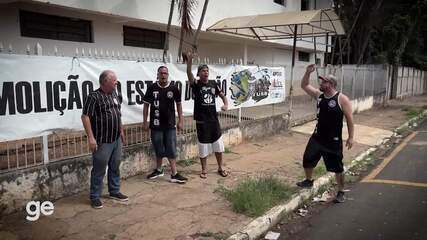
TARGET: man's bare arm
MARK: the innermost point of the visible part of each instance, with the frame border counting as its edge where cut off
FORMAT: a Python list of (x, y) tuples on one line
[(224, 100), (180, 118), (348, 113), (190, 75), (305, 85), (145, 116), (88, 129)]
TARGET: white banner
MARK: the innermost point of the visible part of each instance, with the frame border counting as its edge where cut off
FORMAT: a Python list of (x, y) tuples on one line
[(41, 94)]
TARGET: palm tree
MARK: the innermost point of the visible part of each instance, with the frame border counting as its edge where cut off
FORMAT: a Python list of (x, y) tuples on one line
[(205, 6), (186, 11), (166, 46)]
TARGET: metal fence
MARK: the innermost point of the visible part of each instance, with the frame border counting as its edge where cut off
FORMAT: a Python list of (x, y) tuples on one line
[(354, 81)]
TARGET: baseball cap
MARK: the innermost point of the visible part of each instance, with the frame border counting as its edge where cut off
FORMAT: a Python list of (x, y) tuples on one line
[(200, 67), (330, 78)]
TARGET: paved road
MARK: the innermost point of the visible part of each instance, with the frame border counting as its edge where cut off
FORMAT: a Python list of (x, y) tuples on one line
[(390, 203)]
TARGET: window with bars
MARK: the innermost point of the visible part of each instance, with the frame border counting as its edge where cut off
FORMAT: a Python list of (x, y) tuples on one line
[(140, 37), (39, 25)]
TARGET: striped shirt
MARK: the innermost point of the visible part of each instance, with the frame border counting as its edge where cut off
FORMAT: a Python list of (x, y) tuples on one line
[(104, 113)]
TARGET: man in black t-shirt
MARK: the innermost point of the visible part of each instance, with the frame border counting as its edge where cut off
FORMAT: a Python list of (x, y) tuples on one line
[(326, 141), (206, 116), (101, 120), (161, 98)]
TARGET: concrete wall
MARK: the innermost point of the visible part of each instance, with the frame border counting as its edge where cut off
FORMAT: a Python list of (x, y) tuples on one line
[(70, 176), (362, 104)]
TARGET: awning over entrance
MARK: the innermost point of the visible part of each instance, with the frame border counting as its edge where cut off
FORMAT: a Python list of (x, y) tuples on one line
[(281, 25), (313, 23)]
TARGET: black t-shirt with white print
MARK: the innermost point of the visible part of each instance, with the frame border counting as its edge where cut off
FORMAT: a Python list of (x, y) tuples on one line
[(104, 113), (204, 100), (162, 105)]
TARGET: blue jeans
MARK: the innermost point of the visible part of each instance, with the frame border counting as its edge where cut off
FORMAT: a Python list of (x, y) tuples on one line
[(107, 154), (164, 142)]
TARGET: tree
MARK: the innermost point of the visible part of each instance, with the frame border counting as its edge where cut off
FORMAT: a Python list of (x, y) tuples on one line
[(186, 11), (166, 46), (205, 7), (381, 31)]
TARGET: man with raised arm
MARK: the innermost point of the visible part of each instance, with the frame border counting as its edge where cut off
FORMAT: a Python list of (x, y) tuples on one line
[(326, 140), (206, 116)]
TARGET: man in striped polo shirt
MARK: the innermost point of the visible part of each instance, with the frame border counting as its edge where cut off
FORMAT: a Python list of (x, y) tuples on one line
[(103, 126)]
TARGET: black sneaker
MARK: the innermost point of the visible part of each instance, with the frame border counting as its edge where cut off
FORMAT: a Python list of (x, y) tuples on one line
[(96, 203), (155, 174), (305, 184), (340, 198), (119, 197), (178, 178)]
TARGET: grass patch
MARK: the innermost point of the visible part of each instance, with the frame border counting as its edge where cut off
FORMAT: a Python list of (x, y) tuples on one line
[(319, 170), (351, 178), (254, 196), (412, 112), (187, 162), (402, 130), (227, 150), (323, 188)]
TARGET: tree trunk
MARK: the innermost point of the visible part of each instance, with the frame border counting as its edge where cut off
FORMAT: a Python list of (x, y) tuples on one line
[(186, 8), (181, 41), (195, 40), (166, 46)]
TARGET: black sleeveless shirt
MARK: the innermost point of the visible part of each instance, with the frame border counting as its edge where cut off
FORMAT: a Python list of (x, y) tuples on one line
[(329, 126)]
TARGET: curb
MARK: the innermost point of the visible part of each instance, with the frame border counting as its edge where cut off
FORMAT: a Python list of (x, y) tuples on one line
[(262, 224)]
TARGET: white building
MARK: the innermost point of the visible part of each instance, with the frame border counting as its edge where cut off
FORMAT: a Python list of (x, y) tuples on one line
[(131, 26)]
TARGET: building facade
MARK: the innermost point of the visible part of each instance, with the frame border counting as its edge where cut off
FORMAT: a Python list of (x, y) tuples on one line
[(138, 27)]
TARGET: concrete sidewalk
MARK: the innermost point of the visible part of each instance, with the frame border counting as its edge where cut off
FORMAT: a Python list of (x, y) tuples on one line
[(162, 210)]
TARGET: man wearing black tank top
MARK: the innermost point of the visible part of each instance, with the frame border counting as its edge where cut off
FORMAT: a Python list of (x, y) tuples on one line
[(326, 141)]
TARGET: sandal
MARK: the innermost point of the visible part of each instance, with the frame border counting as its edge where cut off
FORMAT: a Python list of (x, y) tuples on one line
[(223, 173), (203, 175)]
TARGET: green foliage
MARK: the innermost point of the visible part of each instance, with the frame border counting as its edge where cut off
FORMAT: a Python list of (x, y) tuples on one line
[(320, 170), (254, 196), (187, 162), (412, 112), (396, 32)]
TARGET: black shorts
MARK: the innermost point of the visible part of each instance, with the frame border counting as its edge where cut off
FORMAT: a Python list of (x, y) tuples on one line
[(331, 157), (208, 132)]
